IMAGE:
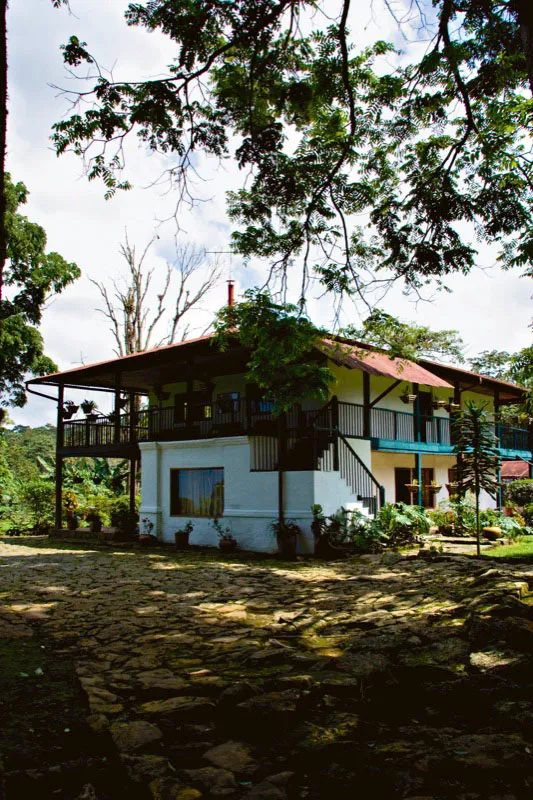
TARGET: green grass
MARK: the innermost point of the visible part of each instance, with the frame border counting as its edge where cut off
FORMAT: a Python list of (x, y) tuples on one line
[(521, 549)]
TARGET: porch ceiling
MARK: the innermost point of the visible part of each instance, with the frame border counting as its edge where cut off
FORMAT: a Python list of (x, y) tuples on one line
[(194, 359)]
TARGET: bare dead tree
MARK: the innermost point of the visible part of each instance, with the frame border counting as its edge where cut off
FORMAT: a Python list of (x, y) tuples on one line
[(127, 302)]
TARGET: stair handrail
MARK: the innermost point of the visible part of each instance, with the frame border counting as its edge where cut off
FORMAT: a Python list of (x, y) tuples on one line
[(378, 486)]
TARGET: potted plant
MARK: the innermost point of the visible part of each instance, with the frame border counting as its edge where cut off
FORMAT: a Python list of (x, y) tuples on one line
[(407, 397), (440, 404), (452, 407), (95, 521), (88, 406), (413, 486), (434, 487), (69, 409), (227, 543), (146, 537), (287, 533), (70, 504), (181, 537), (453, 488)]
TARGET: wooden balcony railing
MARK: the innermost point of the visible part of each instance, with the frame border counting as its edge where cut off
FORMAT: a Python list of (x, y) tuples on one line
[(239, 417)]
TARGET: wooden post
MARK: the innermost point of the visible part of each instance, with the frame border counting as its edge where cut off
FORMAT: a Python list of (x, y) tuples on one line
[(418, 470), (132, 477), (417, 420), (366, 406), (116, 437), (59, 461), (282, 449), (335, 425), (131, 421)]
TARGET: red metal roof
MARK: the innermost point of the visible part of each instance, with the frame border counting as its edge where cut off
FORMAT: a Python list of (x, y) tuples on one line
[(375, 363), (514, 469)]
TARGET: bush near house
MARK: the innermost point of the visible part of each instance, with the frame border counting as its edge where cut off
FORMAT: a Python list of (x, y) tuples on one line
[(519, 493)]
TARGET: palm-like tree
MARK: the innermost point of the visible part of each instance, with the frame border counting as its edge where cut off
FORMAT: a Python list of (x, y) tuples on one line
[(478, 459)]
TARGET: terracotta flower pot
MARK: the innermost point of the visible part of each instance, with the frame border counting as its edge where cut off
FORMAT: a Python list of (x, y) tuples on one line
[(181, 539), (226, 545)]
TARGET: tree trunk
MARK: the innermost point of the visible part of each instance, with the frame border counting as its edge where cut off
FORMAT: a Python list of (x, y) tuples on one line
[(478, 532), (3, 133)]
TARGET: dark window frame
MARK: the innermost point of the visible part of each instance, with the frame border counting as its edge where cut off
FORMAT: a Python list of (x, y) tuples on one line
[(174, 493)]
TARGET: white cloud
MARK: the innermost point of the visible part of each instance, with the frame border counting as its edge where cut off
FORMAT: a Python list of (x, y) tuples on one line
[(491, 309)]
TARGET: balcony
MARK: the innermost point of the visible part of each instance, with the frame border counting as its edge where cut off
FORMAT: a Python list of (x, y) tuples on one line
[(388, 430)]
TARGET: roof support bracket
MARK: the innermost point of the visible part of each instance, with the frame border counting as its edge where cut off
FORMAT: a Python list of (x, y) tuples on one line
[(384, 393)]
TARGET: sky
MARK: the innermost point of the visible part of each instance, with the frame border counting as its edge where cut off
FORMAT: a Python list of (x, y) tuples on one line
[(491, 309)]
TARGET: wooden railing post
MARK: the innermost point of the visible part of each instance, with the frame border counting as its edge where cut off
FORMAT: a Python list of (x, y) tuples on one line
[(366, 406), (59, 461), (116, 436)]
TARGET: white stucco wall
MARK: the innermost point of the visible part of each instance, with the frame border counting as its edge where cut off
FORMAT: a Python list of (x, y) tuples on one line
[(250, 498)]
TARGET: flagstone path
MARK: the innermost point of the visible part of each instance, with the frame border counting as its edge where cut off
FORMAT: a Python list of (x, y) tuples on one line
[(180, 676)]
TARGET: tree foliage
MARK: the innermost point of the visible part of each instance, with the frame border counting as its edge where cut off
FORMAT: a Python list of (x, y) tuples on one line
[(477, 455), (407, 340), (30, 277), (284, 360), (330, 136)]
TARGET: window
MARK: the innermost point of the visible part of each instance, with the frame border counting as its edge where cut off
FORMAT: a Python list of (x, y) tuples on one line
[(197, 492)]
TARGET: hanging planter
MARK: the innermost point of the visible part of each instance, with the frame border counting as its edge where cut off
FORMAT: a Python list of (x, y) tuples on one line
[(69, 409), (412, 487), (408, 398), (452, 408), (92, 416), (123, 402), (88, 407), (440, 404), (433, 487)]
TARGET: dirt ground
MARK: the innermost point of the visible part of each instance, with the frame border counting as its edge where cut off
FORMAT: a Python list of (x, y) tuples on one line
[(128, 673)]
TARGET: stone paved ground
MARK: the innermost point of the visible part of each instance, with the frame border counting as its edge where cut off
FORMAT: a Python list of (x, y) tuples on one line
[(174, 677)]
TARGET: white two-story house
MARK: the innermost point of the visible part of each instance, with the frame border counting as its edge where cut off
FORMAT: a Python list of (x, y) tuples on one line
[(210, 446)]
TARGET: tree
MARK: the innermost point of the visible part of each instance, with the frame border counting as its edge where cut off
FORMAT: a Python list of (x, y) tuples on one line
[(513, 367), (407, 340), (492, 363), (133, 323), (282, 342), (30, 277), (3, 132), (477, 455), (361, 172)]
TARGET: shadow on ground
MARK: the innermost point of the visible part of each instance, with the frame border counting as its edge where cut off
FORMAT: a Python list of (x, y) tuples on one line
[(189, 675)]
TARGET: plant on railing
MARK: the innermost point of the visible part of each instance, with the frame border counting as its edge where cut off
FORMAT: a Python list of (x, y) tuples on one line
[(88, 406), (69, 409)]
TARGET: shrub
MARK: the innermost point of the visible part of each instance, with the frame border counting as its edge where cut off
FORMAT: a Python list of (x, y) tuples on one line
[(519, 492), (38, 501), (528, 514), (401, 525), (122, 518)]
